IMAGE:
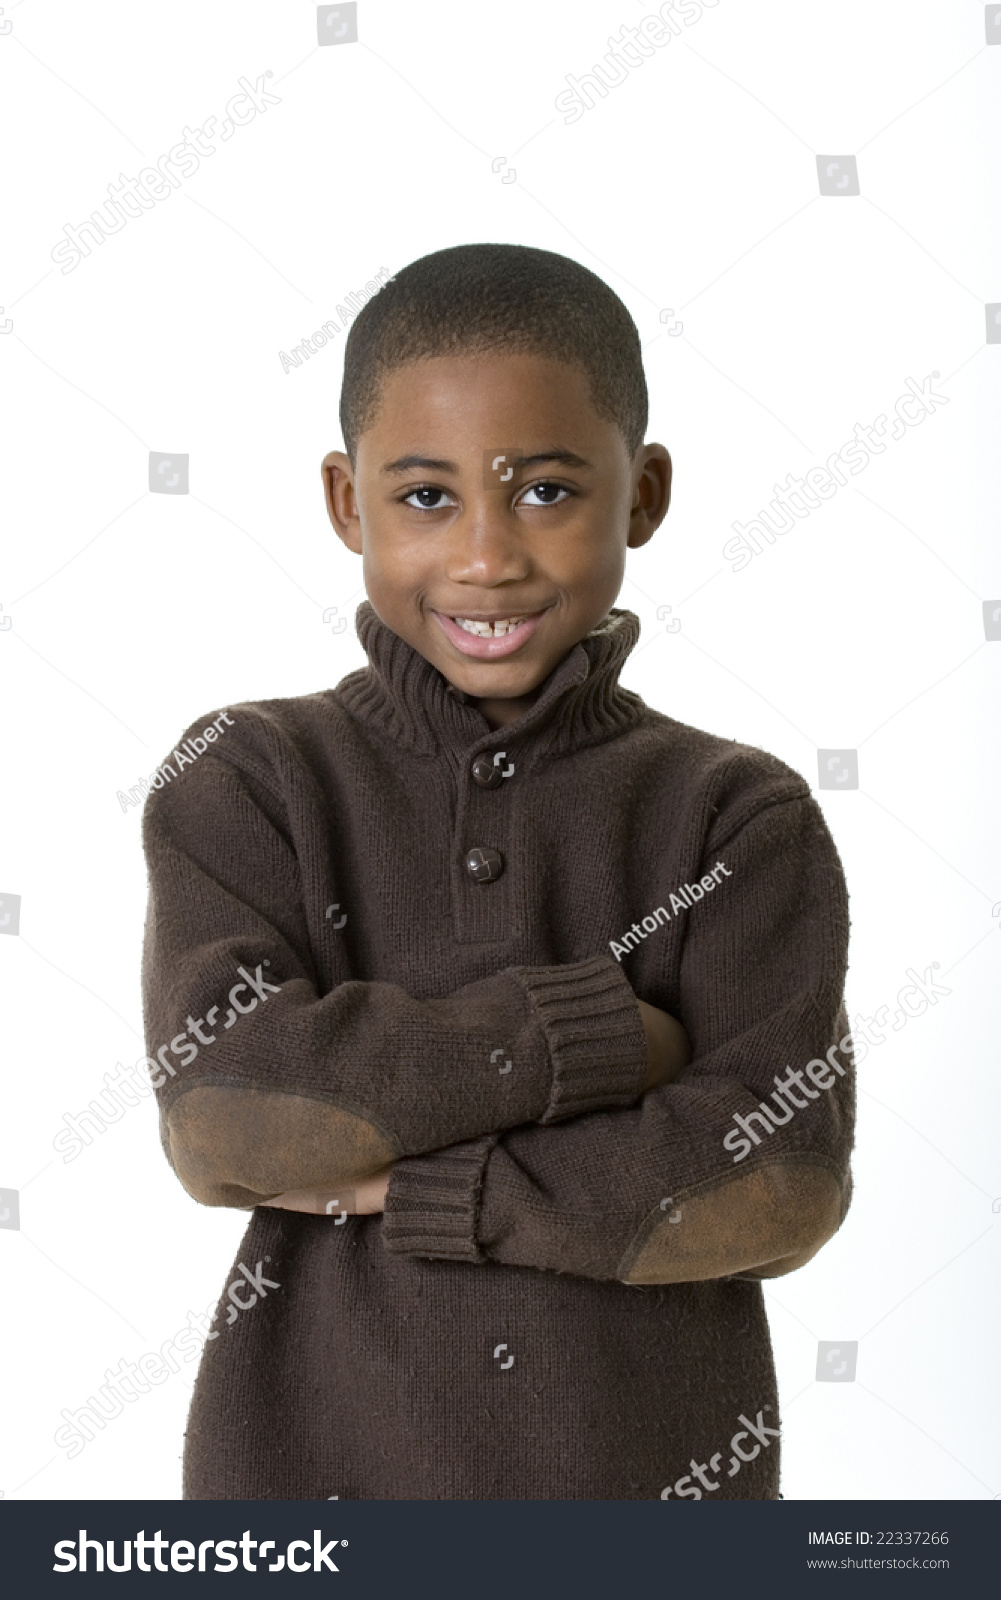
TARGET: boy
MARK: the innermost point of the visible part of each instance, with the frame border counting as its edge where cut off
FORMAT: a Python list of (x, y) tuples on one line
[(521, 961)]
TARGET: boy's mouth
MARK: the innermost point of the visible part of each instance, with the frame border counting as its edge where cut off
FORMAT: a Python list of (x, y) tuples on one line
[(488, 638), (489, 630)]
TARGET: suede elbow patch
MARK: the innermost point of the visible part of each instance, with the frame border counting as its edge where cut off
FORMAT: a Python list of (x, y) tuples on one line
[(258, 1143), (788, 1209)]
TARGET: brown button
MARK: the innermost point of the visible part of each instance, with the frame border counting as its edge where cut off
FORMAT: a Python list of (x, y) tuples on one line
[(486, 772), (484, 864)]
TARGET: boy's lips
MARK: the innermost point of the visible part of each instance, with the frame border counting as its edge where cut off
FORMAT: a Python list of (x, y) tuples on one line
[(484, 647)]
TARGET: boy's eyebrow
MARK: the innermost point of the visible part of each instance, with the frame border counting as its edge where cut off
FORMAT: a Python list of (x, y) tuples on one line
[(427, 463), (566, 458)]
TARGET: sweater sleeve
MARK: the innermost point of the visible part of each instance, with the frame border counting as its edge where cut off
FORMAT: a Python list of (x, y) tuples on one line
[(696, 1180), (268, 1079)]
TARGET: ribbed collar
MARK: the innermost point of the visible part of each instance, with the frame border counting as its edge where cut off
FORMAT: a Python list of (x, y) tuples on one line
[(409, 700)]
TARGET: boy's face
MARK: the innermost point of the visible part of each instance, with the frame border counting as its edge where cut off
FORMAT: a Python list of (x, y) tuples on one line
[(488, 491)]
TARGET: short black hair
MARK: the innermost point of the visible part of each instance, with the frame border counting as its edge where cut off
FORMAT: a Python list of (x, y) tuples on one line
[(476, 297)]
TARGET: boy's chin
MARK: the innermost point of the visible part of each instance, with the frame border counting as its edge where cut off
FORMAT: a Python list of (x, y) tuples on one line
[(492, 683)]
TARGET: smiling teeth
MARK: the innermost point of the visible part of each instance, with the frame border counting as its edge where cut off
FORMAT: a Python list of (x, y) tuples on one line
[(489, 630)]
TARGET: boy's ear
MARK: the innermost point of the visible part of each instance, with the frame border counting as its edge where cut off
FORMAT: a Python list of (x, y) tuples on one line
[(339, 493), (652, 494)]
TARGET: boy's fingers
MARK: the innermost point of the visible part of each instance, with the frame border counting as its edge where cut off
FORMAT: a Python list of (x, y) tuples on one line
[(362, 1197), (318, 1202)]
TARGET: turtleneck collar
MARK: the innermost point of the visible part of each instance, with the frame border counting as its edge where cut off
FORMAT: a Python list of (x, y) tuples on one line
[(412, 703)]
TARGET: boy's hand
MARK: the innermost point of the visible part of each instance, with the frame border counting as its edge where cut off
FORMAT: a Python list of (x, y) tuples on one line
[(668, 1046), (359, 1197), (370, 1192)]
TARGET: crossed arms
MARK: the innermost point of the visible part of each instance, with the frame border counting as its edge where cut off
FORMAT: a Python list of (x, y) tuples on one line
[(668, 1052), (601, 1154)]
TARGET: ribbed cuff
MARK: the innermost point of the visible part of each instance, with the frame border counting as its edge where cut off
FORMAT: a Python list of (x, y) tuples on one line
[(432, 1202), (597, 1042)]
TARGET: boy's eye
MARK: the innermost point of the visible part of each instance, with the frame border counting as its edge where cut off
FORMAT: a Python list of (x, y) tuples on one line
[(427, 498), (549, 494)]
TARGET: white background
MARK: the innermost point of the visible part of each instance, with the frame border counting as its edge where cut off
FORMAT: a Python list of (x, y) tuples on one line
[(692, 188)]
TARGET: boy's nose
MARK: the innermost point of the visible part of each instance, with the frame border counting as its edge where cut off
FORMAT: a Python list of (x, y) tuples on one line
[(488, 544)]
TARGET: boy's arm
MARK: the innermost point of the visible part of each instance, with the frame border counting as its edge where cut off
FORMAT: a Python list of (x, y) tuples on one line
[(676, 1189), (668, 1053), (267, 1085)]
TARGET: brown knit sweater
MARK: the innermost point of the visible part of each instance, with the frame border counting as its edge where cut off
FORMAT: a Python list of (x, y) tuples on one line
[(561, 1299)]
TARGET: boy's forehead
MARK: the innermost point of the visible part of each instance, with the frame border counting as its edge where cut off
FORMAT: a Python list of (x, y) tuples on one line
[(483, 397), (488, 381)]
